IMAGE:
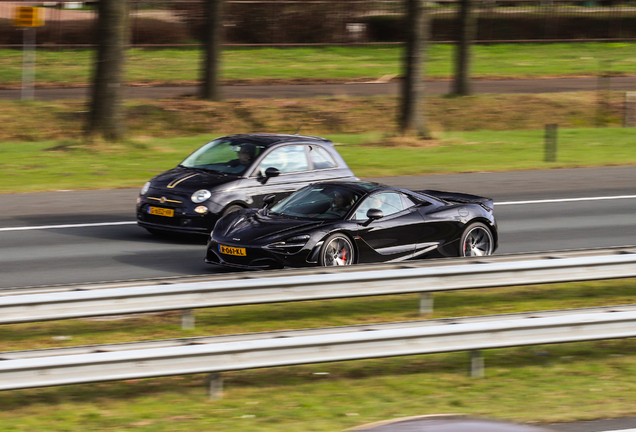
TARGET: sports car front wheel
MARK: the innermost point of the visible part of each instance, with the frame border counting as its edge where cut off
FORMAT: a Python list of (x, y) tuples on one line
[(337, 250), (476, 241)]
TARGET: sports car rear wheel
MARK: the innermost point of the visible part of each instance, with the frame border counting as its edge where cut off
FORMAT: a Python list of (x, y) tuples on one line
[(337, 250), (476, 241)]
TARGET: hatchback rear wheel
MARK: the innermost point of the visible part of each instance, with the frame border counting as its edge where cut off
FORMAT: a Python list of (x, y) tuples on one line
[(232, 209)]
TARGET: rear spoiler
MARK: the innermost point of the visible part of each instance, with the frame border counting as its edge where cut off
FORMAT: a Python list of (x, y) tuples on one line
[(460, 198)]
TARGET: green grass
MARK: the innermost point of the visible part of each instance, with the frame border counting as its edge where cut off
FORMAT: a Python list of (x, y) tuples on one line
[(73, 67), (540, 383), (42, 146), (496, 151), (63, 165)]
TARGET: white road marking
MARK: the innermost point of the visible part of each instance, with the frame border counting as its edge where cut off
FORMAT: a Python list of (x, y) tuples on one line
[(621, 430), (42, 227), (505, 203), (562, 200)]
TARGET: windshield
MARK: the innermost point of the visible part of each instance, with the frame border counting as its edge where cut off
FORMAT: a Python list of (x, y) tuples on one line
[(318, 202), (231, 157)]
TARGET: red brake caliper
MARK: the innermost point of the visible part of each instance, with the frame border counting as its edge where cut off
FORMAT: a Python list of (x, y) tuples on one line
[(344, 254)]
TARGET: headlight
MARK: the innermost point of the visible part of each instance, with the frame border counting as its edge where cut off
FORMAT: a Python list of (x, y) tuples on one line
[(144, 188), (201, 195), (298, 239), (290, 246)]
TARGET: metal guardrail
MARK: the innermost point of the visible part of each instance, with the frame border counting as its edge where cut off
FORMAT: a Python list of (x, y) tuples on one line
[(115, 362), (318, 283)]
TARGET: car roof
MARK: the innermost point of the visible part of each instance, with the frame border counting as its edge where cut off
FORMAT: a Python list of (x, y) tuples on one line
[(361, 187), (270, 139)]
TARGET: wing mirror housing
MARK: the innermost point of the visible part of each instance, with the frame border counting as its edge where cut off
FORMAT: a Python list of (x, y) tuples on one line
[(268, 200), (269, 173), (373, 214)]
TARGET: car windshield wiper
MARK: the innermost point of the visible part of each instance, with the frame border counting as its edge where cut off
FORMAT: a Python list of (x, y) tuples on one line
[(206, 170)]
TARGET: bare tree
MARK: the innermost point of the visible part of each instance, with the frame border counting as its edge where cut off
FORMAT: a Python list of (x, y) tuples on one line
[(467, 27), (106, 111), (412, 116), (212, 41)]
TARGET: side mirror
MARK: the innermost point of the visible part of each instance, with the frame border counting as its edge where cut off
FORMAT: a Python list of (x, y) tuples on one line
[(373, 214), (272, 172), (269, 173), (268, 200)]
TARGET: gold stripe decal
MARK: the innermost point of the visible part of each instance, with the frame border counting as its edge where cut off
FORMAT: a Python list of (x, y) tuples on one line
[(176, 182), (166, 200)]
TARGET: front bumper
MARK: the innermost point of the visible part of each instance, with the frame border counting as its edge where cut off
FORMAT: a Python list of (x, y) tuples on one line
[(256, 258), (184, 220)]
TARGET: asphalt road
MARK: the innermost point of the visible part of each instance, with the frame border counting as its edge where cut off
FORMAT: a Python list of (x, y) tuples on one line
[(353, 89), (44, 241)]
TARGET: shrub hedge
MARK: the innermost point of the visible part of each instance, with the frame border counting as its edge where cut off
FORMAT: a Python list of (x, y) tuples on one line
[(254, 23)]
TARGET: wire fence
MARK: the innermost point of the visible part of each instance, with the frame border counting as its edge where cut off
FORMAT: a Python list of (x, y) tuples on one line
[(329, 22)]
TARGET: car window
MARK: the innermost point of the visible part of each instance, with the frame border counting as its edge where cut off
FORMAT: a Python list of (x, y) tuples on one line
[(408, 202), (232, 157), (287, 159), (319, 201), (320, 158), (388, 202)]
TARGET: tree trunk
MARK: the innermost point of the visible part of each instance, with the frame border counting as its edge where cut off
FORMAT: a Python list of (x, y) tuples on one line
[(213, 13), (412, 116), (106, 112), (467, 26)]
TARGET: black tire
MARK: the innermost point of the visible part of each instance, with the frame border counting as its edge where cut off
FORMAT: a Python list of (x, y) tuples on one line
[(232, 209), (477, 240), (337, 250)]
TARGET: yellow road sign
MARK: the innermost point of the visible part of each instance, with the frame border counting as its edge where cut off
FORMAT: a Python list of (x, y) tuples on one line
[(26, 16)]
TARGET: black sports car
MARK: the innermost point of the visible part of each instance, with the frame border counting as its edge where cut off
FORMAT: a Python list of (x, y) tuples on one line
[(231, 173), (343, 223)]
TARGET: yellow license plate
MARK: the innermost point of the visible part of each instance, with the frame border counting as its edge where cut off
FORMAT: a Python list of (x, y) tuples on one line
[(232, 250), (161, 211)]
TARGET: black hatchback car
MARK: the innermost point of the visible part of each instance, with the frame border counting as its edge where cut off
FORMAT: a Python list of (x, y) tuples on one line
[(234, 172)]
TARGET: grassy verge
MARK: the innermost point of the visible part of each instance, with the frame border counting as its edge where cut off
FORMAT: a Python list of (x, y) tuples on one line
[(183, 117), (540, 384), (181, 66), (42, 146), (30, 167)]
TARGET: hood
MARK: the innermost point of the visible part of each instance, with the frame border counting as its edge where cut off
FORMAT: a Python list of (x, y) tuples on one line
[(191, 180), (253, 227)]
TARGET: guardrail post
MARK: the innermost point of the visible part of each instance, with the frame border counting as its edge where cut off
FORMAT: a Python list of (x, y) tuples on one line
[(187, 319), (426, 304), (476, 364), (215, 386)]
